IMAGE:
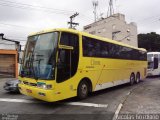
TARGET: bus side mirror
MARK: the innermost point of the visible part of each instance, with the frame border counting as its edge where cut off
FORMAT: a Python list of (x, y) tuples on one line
[(155, 63)]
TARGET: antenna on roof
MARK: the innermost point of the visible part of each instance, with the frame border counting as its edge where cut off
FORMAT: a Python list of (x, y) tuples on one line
[(95, 4), (110, 8)]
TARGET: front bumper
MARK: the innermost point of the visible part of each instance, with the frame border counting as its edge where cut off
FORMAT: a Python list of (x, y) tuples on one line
[(42, 94)]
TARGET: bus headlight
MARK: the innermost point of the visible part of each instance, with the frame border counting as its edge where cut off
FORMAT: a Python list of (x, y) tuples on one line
[(20, 82), (44, 86)]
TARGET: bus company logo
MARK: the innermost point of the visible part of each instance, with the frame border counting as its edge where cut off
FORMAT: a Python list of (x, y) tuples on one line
[(94, 62), (89, 66)]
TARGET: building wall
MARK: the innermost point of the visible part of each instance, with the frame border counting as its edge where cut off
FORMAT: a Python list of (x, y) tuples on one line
[(115, 27), (8, 59), (9, 66)]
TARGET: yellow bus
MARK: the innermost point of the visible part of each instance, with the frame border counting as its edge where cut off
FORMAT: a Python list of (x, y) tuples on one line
[(64, 63)]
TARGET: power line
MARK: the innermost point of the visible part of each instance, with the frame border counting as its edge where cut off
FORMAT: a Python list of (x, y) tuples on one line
[(19, 37), (22, 7), (150, 22), (20, 40), (40, 8), (85, 18), (149, 18), (6, 44), (17, 25), (36, 6), (27, 6), (33, 7)]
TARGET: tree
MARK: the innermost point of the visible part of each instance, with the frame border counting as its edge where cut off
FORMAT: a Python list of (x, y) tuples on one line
[(149, 41)]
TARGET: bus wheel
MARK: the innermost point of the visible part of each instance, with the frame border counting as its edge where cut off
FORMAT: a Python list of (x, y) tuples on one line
[(137, 78), (132, 79), (83, 90)]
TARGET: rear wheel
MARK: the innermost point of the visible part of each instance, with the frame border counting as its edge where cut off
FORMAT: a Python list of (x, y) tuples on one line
[(137, 78), (132, 79), (83, 90)]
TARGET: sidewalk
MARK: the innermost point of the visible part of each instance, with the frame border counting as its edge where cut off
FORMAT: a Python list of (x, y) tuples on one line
[(144, 100)]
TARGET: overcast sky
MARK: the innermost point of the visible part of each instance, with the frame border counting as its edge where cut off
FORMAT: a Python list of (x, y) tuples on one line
[(18, 18)]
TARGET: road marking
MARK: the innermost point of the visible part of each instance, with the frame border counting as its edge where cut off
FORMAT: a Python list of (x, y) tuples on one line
[(117, 112), (17, 100), (69, 103), (87, 104), (128, 93)]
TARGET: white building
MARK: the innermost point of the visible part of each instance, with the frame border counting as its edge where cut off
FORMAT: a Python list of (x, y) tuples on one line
[(115, 27)]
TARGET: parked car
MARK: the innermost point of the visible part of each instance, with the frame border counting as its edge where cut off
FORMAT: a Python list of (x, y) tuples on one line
[(11, 86)]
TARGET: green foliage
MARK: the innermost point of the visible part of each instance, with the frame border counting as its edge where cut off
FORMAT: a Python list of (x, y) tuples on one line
[(149, 41)]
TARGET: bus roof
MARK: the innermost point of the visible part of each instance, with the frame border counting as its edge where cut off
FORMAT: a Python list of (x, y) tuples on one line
[(153, 52), (88, 35)]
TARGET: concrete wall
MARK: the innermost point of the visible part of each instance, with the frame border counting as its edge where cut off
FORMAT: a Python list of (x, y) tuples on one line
[(115, 27)]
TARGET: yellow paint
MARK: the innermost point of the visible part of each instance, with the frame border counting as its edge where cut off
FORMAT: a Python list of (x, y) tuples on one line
[(98, 70)]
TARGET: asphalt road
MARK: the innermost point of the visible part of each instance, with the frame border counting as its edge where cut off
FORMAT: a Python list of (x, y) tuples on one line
[(142, 98)]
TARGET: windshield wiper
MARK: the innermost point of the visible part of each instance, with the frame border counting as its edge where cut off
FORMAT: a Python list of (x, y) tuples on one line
[(31, 69), (34, 74), (39, 72)]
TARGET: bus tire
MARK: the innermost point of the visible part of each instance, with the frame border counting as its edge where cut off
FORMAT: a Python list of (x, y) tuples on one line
[(132, 79), (137, 78), (83, 89)]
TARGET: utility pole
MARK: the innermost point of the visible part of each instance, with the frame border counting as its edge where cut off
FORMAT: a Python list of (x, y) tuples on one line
[(71, 21), (95, 4)]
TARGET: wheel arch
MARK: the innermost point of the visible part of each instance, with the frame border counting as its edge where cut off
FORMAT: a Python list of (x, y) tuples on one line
[(88, 82), (138, 72), (132, 78)]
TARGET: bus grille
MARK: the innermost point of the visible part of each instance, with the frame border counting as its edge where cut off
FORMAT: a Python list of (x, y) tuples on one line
[(31, 84)]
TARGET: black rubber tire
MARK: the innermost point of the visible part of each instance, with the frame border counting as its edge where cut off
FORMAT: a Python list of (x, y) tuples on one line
[(132, 79), (137, 80), (83, 90)]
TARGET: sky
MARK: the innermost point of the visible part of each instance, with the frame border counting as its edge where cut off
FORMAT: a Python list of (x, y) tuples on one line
[(19, 18)]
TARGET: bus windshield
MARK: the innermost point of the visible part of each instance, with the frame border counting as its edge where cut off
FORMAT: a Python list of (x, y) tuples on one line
[(149, 57), (39, 57)]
